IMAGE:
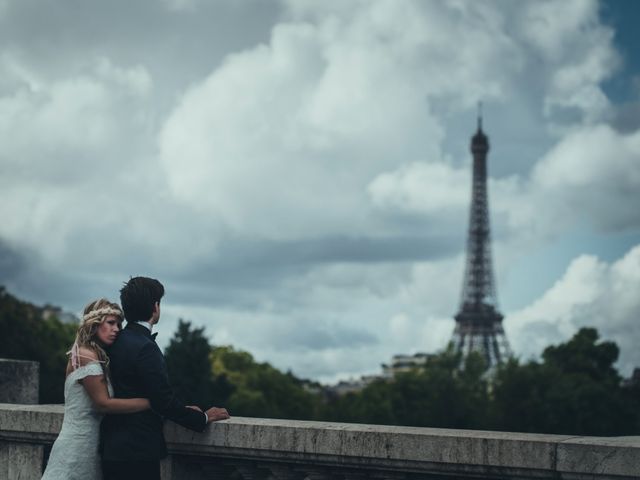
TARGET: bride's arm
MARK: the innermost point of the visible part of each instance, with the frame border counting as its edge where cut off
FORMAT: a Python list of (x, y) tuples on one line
[(96, 387)]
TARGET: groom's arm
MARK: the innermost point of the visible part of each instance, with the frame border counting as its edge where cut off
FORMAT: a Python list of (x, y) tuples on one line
[(152, 371)]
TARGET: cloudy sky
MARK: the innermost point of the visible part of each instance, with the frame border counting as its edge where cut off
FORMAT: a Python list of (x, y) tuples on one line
[(297, 173)]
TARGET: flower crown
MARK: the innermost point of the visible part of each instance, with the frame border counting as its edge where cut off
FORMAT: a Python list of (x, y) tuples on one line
[(102, 311)]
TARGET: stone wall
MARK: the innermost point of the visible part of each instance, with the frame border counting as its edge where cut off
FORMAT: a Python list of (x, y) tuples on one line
[(253, 448), (19, 381)]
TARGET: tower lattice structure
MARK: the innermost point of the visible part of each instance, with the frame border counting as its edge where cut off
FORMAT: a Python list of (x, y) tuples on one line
[(478, 322)]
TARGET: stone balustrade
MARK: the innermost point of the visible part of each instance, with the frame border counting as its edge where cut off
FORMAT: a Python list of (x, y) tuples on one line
[(19, 381), (252, 448)]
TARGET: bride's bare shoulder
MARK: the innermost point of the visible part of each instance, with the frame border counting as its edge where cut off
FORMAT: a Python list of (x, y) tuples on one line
[(86, 355)]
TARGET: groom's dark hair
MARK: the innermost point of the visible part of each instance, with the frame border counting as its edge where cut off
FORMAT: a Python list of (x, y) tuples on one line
[(138, 296)]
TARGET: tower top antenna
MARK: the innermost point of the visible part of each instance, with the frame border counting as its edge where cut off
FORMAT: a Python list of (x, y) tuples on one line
[(480, 115)]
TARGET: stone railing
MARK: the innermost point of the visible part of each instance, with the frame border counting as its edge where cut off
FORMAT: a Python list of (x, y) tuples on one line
[(251, 448), (19, 381)]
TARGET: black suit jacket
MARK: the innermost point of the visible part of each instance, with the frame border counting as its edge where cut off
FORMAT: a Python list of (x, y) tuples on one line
[(138, 370)]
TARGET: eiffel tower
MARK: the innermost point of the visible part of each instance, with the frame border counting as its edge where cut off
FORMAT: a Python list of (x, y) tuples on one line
[(478, 322)]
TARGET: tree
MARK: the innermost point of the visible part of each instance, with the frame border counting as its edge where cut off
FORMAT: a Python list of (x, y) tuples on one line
[(189, 367), (260, 390), (440, 394), (575, 390), (29, 336), (54, 340)]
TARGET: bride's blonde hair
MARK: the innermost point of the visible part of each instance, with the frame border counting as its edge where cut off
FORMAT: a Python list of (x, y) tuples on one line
[(93, 316)]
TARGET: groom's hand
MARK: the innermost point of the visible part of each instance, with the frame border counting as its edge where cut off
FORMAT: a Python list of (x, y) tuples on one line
[(214, 414)]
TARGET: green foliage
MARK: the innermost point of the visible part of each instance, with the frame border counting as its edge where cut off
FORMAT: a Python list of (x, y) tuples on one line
[(27, 336), (187, 358), (582, 356), (55, 339), (260, 390), (438, 395), (575, 390), (371, 405), (222, 376)]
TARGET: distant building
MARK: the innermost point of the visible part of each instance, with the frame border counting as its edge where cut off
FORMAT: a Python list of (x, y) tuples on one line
[(399, 364), (405, 363), (351, 386), (49, 311), (314, 388)]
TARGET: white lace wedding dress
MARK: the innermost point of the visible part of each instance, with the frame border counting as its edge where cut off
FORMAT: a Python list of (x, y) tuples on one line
[(75, 452)]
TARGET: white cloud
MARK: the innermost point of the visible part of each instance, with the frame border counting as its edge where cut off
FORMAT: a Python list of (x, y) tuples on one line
[(298, 129), (70, 150), (294, 187), (591, 293), (421, 187), (548, 26), (591, 174), (595, 172), (577, 52), (337, 321), (135, 81), (66, 130), (181, 5)]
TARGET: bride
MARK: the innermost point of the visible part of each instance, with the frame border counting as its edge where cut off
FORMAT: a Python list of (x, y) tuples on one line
[(88, 395)]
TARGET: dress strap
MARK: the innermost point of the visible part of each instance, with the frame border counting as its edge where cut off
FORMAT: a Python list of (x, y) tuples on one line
[(75, 356)]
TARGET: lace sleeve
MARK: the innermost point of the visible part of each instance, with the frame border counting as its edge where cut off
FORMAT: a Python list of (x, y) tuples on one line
[(91, 368)]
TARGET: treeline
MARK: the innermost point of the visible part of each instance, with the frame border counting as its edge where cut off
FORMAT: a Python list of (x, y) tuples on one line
[(573, 389), (27, 332), (223, 376)]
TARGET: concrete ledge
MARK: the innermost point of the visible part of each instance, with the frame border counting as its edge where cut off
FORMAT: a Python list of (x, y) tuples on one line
[(30, 423), (19, 381), (428, 451), (600, 456)]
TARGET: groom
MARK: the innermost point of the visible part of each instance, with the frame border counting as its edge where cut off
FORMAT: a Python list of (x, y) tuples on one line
[(132, 445)]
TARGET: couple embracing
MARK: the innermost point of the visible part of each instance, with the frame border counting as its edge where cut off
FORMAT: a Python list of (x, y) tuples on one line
[(117, 393)]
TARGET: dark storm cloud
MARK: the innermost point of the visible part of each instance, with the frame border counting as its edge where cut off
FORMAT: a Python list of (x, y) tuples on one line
[(244, 267), (322, 337), (340, 249), (26, 274), (12, 262), (23, 273), (176, 46), (626, 118)]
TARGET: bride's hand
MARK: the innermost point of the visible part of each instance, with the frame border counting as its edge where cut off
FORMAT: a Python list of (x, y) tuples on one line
[(194, 407)]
